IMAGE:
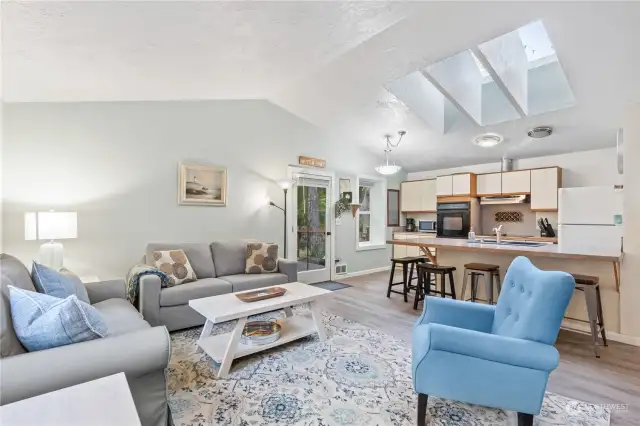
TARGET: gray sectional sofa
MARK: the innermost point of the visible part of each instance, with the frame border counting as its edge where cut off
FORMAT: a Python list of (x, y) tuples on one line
[(134, 347), (219, 267)]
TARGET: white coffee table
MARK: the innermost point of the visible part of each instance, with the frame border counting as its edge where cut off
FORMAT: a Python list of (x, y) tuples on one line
[(224, 348)]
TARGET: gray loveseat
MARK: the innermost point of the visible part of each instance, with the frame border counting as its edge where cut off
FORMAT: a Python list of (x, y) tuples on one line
[(140, 351), (219, 267)]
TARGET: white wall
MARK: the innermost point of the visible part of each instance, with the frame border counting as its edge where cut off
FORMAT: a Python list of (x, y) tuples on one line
[(630, 286), (116, 165)]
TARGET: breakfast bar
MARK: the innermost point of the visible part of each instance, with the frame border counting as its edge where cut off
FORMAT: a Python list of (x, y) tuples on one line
[(604, 264)]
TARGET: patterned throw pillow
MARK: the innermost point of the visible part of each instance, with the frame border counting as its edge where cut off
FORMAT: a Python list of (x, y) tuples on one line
[(261, 258), (175, 264)]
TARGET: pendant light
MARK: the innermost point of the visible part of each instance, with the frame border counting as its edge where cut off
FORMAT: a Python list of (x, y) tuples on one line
[(388, 168)]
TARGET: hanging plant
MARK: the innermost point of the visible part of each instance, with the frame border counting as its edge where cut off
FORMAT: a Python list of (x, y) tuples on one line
[(342, 205)]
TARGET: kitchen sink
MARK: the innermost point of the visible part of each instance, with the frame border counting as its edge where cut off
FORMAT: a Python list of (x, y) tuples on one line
[(513, 243)]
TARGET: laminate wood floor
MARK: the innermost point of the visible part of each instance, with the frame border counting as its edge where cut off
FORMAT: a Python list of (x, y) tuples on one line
[(612, 379)]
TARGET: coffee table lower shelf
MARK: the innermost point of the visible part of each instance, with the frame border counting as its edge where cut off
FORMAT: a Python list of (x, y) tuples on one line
[(293, 328)]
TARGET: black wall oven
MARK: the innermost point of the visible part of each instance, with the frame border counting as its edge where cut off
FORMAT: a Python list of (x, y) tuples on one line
[(454, 220)]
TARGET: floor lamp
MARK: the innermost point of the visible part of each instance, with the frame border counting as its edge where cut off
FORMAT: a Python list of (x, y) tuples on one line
[(285, 185)]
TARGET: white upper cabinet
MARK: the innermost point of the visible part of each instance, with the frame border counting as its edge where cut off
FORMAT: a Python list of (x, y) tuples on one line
[(418, 196), (544, 188), (429, 199), (463, 184), (489, 184), (516, 182), (409, 196), (444, 185)]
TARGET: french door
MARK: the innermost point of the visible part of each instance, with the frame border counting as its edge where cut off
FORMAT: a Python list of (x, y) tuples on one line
[(312, 224)]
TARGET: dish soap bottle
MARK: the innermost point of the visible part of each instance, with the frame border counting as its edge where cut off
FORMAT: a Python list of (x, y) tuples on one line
[(472, 235)]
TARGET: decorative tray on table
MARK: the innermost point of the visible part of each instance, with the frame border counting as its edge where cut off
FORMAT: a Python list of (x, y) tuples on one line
[(265, 293)]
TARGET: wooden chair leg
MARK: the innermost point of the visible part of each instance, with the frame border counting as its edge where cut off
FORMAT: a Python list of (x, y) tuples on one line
[(465, 278), (423, 400), (603, 332), (442, 283), (427, 284), (592, 315), (487, 277), (408, 283), (525, 419), (418, 291), (452, 284), (393, 268), (474, 286)]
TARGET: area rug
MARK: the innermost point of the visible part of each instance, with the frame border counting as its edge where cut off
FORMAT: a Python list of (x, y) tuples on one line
[(331, 285), (359, 376)]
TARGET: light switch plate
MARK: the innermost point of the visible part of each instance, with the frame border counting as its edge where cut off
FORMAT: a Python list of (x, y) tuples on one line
[(338, 222)]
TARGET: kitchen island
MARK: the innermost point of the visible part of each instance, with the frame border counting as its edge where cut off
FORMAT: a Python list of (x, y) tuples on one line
[(586, 261)]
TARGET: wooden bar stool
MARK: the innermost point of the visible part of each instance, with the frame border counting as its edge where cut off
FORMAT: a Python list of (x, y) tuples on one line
[(489, 272), (590, 286), (424, 281), (408, 264)]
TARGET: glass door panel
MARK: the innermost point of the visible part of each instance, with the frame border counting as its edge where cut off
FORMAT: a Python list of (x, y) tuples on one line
[(312, 248)]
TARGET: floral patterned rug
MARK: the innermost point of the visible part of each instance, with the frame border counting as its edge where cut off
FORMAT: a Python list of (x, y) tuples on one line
[(358, 376)]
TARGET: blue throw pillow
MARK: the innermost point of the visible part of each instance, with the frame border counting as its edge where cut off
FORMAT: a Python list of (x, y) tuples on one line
[(44, 322), (57, 283)]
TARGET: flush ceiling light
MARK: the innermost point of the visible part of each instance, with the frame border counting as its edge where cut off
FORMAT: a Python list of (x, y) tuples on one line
[(388, 168), (488, 140)]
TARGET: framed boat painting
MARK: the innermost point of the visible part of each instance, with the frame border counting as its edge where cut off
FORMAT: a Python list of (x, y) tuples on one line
[(202, 185)]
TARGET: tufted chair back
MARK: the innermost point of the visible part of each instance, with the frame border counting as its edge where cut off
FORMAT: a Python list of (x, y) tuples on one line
[(532, 302)]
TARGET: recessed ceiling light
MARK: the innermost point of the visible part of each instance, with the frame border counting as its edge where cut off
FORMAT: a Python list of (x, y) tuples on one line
[(488, 140), (540, 132)]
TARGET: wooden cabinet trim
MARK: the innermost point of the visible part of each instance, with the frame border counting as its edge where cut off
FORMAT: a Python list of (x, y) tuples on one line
[(420, 211), (544, 210), (490, 195), (516, 193), (453, 198)]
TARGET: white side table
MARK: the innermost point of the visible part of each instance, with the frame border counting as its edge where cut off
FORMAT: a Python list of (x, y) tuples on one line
[(102, 402)]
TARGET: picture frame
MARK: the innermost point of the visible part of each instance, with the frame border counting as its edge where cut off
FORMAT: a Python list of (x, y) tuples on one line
[(202, 185), (393, 207)]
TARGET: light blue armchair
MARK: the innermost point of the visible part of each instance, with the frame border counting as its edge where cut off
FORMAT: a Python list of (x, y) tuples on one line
[(497, 356)]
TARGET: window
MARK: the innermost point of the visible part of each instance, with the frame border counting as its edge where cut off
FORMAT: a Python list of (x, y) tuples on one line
[(372, 214)]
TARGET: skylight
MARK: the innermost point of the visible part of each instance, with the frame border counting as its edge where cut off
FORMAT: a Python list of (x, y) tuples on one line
[(536, 42)]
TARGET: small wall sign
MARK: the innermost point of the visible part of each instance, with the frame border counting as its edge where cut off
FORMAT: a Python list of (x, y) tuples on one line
[(313, 162)]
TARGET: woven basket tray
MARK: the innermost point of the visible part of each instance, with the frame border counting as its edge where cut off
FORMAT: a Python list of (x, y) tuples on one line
[(265, 293)]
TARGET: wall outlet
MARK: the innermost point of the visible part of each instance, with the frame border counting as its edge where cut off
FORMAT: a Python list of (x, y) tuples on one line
[(341, 269)]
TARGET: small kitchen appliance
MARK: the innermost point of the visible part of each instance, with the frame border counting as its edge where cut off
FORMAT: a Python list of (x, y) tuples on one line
[(427, 226), (410, 225)]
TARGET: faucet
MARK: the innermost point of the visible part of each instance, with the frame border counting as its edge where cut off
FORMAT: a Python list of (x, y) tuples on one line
[(498, 232)]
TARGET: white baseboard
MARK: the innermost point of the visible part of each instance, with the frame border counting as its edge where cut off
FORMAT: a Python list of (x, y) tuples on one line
[(365, 272), (616, 337)]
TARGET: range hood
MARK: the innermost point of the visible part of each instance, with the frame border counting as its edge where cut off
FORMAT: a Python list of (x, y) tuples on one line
[(505, 199)]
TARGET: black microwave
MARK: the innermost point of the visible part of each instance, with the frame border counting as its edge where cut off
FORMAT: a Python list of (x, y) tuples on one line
[(426, 226)]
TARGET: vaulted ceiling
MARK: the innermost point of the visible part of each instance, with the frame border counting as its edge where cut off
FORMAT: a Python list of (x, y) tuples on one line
[(327, 62)]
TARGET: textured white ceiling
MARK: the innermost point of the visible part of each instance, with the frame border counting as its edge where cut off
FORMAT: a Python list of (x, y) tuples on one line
[(323, 61), (83, 51)]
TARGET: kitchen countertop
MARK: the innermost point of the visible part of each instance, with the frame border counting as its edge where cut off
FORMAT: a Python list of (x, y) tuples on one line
[(547, 250), (504, 237)]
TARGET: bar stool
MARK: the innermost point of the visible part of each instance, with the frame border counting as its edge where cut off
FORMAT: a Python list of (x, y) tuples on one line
[(406, 262), (424, 281), (489, 272), (590, 286)]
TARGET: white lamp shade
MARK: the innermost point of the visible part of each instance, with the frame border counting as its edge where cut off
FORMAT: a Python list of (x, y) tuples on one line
[(50, 225)]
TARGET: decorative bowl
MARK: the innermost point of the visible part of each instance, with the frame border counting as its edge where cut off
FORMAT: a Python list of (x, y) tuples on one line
[(260, 332)]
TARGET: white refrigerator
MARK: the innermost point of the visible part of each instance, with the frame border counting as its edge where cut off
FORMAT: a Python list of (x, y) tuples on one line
[(589, 218)]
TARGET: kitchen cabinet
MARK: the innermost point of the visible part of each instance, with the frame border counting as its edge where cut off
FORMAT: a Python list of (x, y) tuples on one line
[(460, 184), (516, 183), (489, 184), (464, 184), (418, 196), (444, 186), (544, 189)]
